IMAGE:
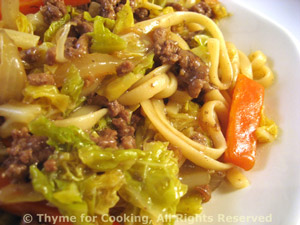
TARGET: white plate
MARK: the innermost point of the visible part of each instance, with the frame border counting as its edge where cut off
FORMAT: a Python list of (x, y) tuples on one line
[(274, 194)]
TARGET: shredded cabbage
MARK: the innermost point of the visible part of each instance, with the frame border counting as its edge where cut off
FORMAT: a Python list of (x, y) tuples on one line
[(73, 87), (202, 50), (267, 130), (46, 94), (124, 18), (23, 24), (55, 26), (190, 204), (62, 194), (103, 40), (152, 183), (109, 23), (146, 179)]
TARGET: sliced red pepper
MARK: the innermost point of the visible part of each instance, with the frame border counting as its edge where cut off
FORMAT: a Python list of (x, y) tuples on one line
[(33, 6), (244, 117)]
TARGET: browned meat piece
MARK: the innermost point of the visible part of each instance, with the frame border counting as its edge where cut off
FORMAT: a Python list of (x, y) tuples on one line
[(141, 14), (202, 8), (30, 55), (26, 150), (114, 108), (50, 165), (82, 45), (82, 26), (204, 191), (97, 100), (107, 138), (177, 6), (70, 50), (76, 48), (37, 79), (193, 73), (53, 10), (168, 52), (108, 8), (128, 142), (125, 115), (123, 128), (160, 35), (198, 137), (94, 9), (135, 119), (51, 56), (124, 68)]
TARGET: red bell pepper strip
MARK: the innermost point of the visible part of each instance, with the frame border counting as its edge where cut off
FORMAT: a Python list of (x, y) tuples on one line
[(33, 6), (244, 117)]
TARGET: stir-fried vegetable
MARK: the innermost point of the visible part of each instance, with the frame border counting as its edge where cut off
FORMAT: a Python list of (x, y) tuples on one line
[(152, 183), (125, 18), (12, 72), (244, 119), (104, 41)]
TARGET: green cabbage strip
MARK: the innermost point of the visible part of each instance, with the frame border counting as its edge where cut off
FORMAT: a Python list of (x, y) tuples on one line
[(62, 138), (62, 194), (202, 50), (124, 18), (55, 26), (65, 100), (109, 23), (23, 24), (147, 180), (152, 183), (103, 40), (46, 94), (190, 204), (72, 87), (88, 193)]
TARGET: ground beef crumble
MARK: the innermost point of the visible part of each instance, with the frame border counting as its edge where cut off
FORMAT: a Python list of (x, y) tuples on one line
[(192, 73), (108, 138), (53, 10), (26, 149), (125, 67), (50, 57), (141, 14), (122, 132), (77, 47), (30, 55), (204, 191), (202, 8)]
